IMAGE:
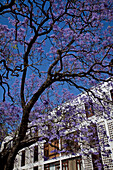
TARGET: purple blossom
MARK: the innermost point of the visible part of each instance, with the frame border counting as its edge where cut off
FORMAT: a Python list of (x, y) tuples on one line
[(45, 102)]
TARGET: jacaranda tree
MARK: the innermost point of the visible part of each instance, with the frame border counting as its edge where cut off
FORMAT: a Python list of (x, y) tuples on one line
[(45, 44)]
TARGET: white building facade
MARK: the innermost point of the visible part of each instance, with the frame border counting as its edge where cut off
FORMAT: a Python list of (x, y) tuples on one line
[(42, 156)]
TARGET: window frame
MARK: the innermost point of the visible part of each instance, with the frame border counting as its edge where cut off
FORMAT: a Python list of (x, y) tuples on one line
[(92, 128), (77, 160), (111, 94), (65, 165), (89, 109), (36, 153), (72, 145), (23, 158), (35, 168), (55, 164), (48, 149), (94, 158)]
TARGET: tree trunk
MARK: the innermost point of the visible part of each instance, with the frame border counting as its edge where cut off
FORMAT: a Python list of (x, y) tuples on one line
[(7, 161)]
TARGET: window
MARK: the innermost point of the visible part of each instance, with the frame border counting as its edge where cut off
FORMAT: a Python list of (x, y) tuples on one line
[(89, 109), (96, 159), (46, 167), (50, 150), (69, 164), (52, 166), (65, 165), (79, 164), (46, 151), (35, 168), (69, 143), (23, 158), (36, 153), (93, 135), (111, 92)]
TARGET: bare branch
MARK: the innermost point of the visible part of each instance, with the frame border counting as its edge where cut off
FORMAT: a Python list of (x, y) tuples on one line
[(6, 6)]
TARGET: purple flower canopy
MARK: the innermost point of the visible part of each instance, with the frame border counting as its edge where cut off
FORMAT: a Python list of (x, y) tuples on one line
[(49, 52)]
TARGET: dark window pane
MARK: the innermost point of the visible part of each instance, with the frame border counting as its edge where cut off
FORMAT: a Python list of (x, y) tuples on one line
[(46, 167), (89, 109), (35, 168), (55, 166), (46, 151), (111, 92), (36, 153), (23, 158), (79, 164), (69, 143), (93, 135), (72, 164), (96, 159), (65, 165)]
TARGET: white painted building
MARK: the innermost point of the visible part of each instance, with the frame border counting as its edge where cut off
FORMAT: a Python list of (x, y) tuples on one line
[(34, 157)]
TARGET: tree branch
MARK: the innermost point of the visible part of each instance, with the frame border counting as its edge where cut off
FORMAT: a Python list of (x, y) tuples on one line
[(6, 6)]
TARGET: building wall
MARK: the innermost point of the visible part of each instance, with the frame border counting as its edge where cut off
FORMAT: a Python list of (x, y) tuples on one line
[(103, 124), (86, 160)]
